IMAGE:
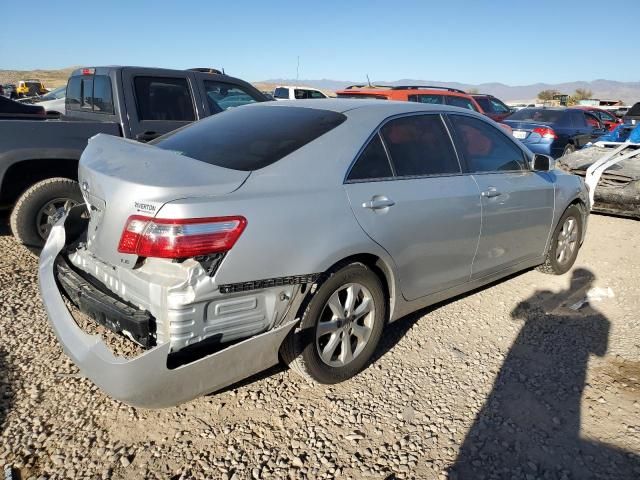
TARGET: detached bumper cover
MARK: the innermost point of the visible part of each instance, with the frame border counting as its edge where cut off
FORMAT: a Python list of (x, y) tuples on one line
[(146, 381)]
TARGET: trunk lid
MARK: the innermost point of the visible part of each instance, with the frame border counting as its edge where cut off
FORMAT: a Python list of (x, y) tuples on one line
[(120, 178), (523, 131)]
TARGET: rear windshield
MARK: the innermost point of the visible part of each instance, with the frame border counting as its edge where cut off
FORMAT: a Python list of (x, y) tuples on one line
[(538, 115), (249, 138)]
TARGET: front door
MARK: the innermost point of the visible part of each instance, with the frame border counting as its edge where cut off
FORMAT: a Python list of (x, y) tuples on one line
[(517, 203), (408, 193)]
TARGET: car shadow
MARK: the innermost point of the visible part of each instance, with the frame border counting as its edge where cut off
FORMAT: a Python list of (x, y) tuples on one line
[(529, 426)]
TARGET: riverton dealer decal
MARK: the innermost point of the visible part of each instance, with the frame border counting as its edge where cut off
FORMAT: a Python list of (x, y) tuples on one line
[(145, 206)]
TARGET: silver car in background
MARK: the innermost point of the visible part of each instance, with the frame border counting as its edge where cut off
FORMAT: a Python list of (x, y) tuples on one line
[(293, 231)]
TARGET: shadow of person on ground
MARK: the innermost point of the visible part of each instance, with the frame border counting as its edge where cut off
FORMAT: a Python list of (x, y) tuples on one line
[(4, 223), (529, 427), (6, 390)]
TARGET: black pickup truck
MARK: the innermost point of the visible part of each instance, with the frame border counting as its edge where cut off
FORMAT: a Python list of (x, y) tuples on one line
[(39, 157)]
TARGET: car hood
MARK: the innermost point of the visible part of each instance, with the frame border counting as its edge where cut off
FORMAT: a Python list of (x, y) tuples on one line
[(625, 171), (120, 178)]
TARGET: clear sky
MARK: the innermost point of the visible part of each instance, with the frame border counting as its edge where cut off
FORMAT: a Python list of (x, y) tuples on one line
[(473, 41)]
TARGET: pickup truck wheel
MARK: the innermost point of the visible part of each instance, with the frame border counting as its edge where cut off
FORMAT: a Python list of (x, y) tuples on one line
[(565, 243), (32, 216), (340, 328)]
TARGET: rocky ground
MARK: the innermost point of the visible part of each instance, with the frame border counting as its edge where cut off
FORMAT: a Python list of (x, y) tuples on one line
[(512, 381)]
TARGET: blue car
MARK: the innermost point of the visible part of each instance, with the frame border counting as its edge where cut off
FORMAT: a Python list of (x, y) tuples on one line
[(555, 131)]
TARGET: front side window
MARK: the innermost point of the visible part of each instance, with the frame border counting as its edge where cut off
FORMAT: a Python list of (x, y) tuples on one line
[(250, 138), (460, 102), (281, 92), (316, 94), (222, 96), (485, 147), (427, 98), (164, 98), (420, 145), (499, 107), (372, 162)]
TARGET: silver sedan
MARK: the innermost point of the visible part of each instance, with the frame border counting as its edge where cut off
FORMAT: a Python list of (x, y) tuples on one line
[(293, 231)]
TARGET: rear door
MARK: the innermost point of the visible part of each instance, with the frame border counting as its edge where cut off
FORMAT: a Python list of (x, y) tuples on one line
[(517, 203), (408, 193), (158, 103)]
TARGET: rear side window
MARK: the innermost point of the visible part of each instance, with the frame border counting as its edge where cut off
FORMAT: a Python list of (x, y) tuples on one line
[(164, 98), (250, 138), (300, 94), (420, 145), (578, 119), (460, 102), (485, 147), (281, 93), (426, 98), (222, 95), (372, 162)]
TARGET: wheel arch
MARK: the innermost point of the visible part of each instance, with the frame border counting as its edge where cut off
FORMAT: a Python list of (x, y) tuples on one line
[(379, 266), (20, 175)]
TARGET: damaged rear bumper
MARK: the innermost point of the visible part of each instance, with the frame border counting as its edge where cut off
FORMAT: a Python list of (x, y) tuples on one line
[(146, 381)]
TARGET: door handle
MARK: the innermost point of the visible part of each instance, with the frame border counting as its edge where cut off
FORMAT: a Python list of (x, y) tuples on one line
[(491, 192), (378, 203)]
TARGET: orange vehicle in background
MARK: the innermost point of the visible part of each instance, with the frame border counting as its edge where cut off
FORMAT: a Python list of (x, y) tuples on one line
[(416, 93)]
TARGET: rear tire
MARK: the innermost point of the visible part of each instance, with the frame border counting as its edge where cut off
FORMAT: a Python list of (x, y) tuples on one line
[(31, 215), (328, 348), (565, 243)]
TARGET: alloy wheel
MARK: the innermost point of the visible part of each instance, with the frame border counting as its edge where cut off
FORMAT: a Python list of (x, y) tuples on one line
[(345, 325)]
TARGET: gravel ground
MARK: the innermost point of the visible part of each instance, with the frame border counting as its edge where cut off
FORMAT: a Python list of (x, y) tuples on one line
[(507, 382)]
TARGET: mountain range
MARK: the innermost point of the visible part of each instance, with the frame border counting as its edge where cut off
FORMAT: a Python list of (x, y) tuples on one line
[(628, 92)]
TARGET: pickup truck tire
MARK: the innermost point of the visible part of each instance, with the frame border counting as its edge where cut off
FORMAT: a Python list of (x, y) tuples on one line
[(565, 243), (321, 330), (33, 208)]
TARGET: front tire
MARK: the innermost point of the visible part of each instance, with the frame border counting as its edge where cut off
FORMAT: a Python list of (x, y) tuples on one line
[(565, 243), (340, 328), (33, 213)]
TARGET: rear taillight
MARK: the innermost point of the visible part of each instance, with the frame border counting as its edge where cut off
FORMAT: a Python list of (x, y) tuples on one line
[(545, 132), (179, 238)]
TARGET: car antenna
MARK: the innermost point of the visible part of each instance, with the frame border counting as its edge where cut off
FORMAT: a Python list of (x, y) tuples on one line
[(223, 71), (369, 81)]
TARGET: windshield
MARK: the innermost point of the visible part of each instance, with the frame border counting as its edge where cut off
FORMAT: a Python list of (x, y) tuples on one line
[(538, 115), (54, 94), (250, 138)]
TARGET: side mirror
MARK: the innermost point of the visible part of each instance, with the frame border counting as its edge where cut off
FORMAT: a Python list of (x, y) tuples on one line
[(542, 163)]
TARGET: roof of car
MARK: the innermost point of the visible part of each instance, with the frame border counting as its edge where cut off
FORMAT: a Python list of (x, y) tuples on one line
[(297, 86), (342, 105)]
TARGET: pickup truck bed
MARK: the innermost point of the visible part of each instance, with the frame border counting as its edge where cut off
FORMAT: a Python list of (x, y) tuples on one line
[(39, 158)]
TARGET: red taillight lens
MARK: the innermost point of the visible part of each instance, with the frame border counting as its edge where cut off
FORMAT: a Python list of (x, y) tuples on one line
[(545, 132), (179, 238)]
